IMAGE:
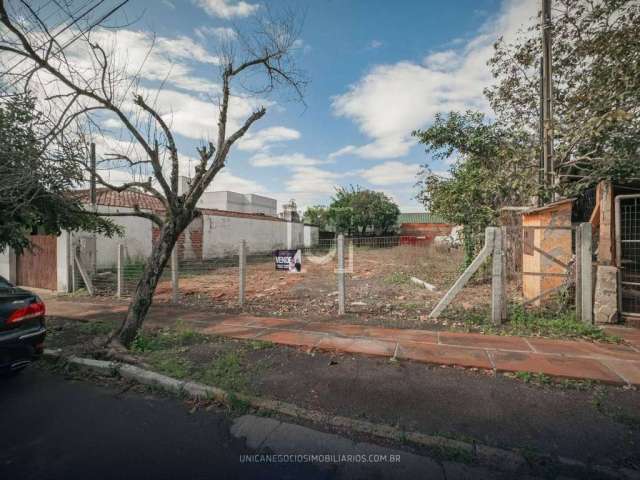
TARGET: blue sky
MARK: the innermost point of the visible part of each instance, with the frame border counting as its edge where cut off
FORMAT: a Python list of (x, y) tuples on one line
[(377, 69)]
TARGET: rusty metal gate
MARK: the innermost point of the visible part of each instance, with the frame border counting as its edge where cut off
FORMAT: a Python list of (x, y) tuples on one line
[(628, 253)]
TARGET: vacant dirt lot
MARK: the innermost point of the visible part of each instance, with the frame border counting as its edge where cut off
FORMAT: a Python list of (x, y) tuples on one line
[(379, 289)]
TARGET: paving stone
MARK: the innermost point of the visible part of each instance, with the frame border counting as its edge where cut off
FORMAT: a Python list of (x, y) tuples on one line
[(400, 334), (275, 322), (444, 354), (296, 338), (358, 345), (239, 320), (629, 371), (235, 331), (565, 367), (347, 330), (484, 341), (582, 348)]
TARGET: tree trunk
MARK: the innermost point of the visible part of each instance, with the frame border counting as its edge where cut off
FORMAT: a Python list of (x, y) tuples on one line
[(143, 296)]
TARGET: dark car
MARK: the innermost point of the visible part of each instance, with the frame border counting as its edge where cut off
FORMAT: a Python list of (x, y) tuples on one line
[(22, 327)]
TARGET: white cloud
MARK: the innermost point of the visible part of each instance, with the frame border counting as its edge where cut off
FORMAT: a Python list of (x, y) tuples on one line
[(225, 180), (312, 180), (391, 173), (228, 8), (392, 100), (294, 159), (220, 33), (265, 138), (375, 44)]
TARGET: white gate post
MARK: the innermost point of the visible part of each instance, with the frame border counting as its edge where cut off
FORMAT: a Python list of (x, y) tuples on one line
[(120, 271), (174, 274), (342, 294), (242, 264), (497, 279)]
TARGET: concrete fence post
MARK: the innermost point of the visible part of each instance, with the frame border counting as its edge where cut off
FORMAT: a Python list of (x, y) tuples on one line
[(578, 274), (342, 293), (586, 273), (120, 271), (242, 264), (497, 279), (174, 275)]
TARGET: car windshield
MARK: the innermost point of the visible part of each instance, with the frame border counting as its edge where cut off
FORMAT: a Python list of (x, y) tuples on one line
[(4, 284)]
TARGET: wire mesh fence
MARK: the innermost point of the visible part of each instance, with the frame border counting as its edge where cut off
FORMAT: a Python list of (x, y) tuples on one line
[(391, 280)]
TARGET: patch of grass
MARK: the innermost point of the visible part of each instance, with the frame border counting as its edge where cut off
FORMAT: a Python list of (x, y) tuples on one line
[(397, 278), (96, 327), (166, 339), (259, 345), (225, 372), (238, 405), (560, 323), (535, 378), (171, 364)]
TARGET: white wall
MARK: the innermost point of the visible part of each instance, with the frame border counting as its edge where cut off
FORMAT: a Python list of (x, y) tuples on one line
[(8, 265), (238, 202), (222, 235), (136, 238), (311, 235)]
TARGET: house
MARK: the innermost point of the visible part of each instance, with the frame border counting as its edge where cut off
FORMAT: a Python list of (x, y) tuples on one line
[(421, 227), (226, 219)]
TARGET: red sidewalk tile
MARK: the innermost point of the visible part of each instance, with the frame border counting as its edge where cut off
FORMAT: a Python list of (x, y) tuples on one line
[(341, 329), (551, 365), (358, 345), (401, 334), (275, 322), (629, 371), (443, 354), (479, 340), (285, 337), (235, 331), (582, 348), (631, 335), (239, 320)]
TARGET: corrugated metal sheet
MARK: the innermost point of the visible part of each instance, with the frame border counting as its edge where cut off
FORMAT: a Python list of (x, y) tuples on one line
[(420, 217)]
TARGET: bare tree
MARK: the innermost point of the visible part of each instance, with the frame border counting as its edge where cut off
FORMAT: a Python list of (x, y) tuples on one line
[(261, 59)]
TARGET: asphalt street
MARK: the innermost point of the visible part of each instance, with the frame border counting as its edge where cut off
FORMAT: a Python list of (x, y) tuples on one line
[(55, 428)]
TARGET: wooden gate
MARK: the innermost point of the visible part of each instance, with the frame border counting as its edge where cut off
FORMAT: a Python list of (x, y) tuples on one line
[(37, 267)]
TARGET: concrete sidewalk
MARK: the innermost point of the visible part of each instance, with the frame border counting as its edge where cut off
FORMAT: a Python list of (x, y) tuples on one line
[(609, 363)]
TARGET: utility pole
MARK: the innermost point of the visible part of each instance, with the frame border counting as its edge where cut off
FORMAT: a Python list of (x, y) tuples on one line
[(92, 166), (546, 98)]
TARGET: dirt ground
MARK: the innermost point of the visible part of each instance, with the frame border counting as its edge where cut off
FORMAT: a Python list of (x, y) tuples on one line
[(585, 421), (379, 288)]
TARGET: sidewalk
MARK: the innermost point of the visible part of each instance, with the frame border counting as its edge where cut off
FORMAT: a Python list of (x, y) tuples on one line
[(609, 363)]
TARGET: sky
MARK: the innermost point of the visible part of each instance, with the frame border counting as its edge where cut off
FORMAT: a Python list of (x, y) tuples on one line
[(378, 69)]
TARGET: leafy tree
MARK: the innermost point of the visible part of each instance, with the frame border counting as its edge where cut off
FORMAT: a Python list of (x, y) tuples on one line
[(37, 182), (490, 169), (316, 215), (357, 210), (596, 85)]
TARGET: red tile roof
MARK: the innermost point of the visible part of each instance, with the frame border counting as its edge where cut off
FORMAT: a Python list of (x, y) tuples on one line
[(144, 201)]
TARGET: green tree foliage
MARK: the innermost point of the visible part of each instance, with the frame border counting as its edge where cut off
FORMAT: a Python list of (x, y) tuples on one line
[(596, 84), (491, 169), (596, 80), (355, 210), (35, 190), (316, 215)]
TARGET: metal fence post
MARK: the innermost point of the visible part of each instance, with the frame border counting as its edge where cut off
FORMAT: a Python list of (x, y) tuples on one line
[(497, 279), (586, 273), (242, 263), (174, 275), (119, 271), (341, 274)]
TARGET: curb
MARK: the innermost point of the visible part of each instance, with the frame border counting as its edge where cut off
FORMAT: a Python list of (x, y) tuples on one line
[(501, 459)]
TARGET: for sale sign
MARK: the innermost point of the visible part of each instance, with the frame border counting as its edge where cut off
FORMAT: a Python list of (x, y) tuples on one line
[(289, 260)]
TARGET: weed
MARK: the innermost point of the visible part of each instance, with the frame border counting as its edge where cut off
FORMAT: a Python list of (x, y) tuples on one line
[(95, 327), (166, 339), (225, 372), (238, 405), (534, 378), (171, 364), (259, 345), (397, 278)]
